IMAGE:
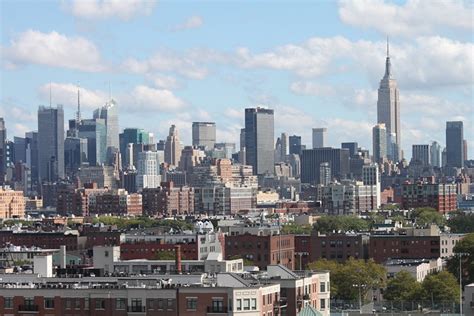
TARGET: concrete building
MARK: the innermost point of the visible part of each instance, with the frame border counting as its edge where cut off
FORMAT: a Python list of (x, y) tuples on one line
[(325, 173), (191, 156), (103, 176), (388, 111), (421, 153), (311, 160), (295, 146), (118, 203), (95, 131), (259, 138), (109, 113), (319, 137), (50, 143), (12, 203), (379, 143), (148, 169), (204, 134), (435, 154), (173, 147), (371, 176), (418, 268)]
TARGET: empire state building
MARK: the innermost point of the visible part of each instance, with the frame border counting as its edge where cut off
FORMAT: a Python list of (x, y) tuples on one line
[(388, 110)]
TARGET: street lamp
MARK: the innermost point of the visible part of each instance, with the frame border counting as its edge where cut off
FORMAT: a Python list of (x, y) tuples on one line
[(359, 286), (460, 279)]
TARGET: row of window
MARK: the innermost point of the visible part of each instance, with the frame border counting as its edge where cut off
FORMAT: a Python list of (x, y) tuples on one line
[(246, 304)]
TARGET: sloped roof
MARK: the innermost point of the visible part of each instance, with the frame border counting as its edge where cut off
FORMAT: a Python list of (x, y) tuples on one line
[(309, 310)]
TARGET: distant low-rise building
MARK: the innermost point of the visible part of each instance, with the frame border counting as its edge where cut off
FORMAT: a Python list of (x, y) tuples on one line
[(441, 197), (12, 203), (168, 200)]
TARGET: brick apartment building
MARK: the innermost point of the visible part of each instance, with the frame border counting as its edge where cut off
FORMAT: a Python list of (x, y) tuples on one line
[(262, 250), (47, 240), (302, 251), (338, 247), (12, 203), (385, 247), (168, 199), (152, 250), (441, 197)]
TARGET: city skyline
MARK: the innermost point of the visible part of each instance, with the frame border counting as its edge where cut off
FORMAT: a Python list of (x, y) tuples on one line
[(181, 76)]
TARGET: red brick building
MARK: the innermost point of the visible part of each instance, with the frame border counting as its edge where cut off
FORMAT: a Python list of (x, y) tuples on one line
[(168, 199), (441, 197), (47, 240), (338, 247), (151, 250), (262, 250), (385, 247), (302, 251)]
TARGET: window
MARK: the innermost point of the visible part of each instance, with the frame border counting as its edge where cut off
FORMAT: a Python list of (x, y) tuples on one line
[(48, 302), (246, 304), (77, 303), (254, 304), (323, 303), (137, 305), (239, 304), (8, 302), (68, 303), (217, 305), (120, 303), (86, 303), (160, 304), (29, 301), (322, 287), (99, 303), (169, 304), (191, 303)]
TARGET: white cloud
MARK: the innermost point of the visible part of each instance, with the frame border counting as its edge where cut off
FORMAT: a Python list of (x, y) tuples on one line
[(168, 62), (66, 94), (414, 17), (312, 88), (144, 98), (163, 81), (102, 9), (193, 22), (53, 49), (425, 62)]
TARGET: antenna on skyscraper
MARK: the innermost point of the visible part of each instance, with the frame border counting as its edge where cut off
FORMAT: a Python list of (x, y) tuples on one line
[(110, 92), (388, 50), (50, 98), (78, 113)]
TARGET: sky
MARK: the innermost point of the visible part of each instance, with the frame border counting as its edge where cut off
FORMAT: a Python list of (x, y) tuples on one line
[(316, 63)]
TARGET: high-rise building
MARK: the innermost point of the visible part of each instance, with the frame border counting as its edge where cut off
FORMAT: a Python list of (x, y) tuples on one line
[(284, 145), (204, 134), (133, 136), (50, 143), (319, 137), (435, 154), (388, 111), (295, 145), (352, 146), (173, 147), (454, 144), (3, 149), (95, 131), (242, 153), (464, 143), (311, 160), (19, 147), (75, 154), (324, 173), (148, 171), (379, 142), (32, 155), (421, 153), (371, 177), (259, 138), (109, 113)]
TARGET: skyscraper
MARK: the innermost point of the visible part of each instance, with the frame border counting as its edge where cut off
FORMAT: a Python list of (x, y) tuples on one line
[(295, 146), (204, 134), (284, 145), (454, 144), (435, 154), (388, 111), (50, 143), (464, 146), (371, 177), (311, 160), (148, 171), (109, 113), (96, 133), (352, 146), (379, 142), (319, 137), (324, 173), (3, 149), (259, 138), (173, 147), (421, 153), (133, 136)]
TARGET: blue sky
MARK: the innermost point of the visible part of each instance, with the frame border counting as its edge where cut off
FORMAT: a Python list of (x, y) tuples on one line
[(317, 63)]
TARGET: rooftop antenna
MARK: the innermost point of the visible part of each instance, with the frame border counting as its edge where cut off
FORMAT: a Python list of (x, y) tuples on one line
[(78, 113), (388, 49), (50, 98)]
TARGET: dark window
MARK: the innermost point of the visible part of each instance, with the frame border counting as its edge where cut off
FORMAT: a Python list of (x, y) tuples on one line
[(191, 303), (49, 302)]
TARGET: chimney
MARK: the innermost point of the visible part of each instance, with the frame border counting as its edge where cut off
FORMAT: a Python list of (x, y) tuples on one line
[(62, 256), (177, 251)]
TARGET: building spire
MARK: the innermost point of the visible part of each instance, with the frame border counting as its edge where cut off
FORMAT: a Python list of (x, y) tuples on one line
[(78, 113), (388, 70)]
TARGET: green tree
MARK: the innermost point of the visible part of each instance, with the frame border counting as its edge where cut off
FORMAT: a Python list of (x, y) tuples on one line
[(403, 287), (441, 286), (425, 216), (165, 255), (466, 247), (351, 276), (327, 224), (460, 222), (296, 229)]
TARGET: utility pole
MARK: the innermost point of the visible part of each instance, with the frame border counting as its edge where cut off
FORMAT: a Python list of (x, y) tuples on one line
[(460, 280)]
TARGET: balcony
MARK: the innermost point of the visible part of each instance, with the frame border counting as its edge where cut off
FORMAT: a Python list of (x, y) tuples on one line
[(29, 308), (217, 310)]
